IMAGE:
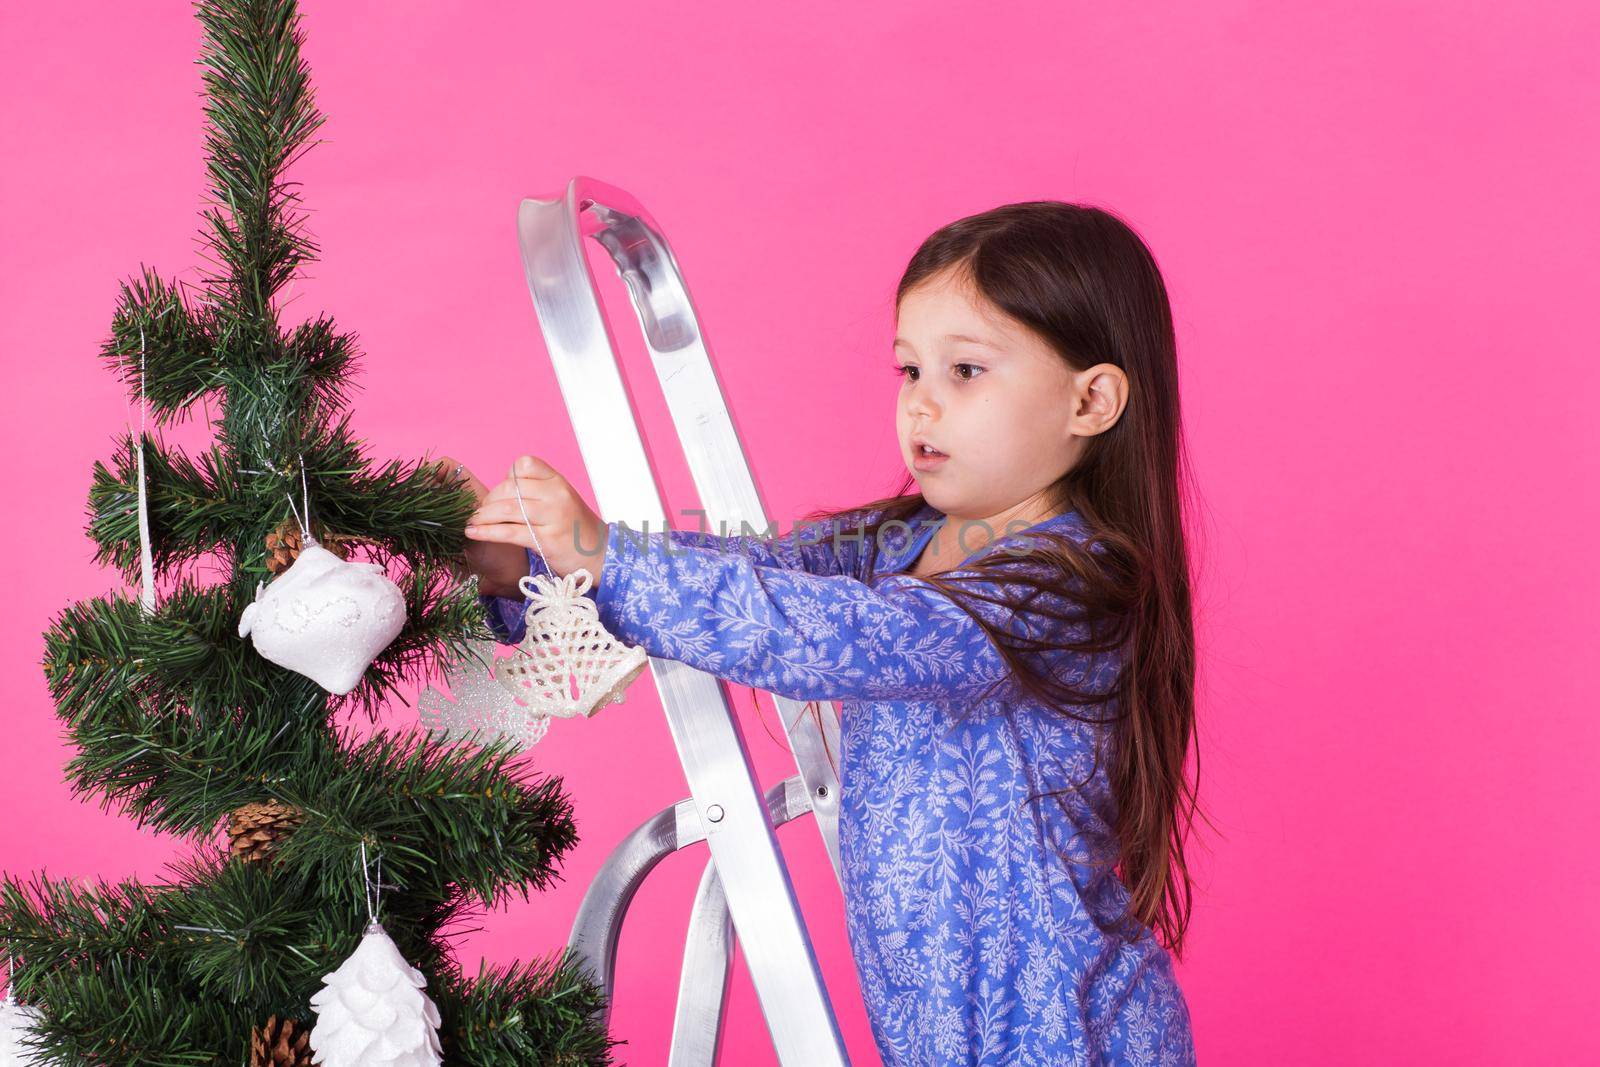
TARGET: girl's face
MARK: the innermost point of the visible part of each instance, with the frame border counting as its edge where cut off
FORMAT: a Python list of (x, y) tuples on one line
[(992, 396)]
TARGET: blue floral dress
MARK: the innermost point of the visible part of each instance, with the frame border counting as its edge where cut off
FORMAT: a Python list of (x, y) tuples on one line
[(973, 942)]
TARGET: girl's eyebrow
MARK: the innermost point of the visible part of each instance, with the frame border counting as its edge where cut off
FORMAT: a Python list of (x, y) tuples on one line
[(957, 337)]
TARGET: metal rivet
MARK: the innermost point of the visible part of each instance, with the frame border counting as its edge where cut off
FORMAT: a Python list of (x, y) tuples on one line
[(822, 791), (714, 813)]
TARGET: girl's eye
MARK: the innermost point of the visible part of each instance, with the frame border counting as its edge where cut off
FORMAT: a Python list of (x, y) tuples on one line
[(914, 373)]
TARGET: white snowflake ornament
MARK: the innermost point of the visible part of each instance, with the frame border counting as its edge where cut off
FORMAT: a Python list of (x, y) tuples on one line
[(325, 618), (573, 666), (479, 707), (372, 1011), (16, 1023)]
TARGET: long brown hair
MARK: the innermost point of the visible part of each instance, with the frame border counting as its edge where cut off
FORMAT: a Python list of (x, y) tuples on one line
[(1084, 281)]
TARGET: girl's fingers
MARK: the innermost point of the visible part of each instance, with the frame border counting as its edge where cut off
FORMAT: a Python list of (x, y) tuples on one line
[(447, 471), (533, 467), (503, 511), (516, 534), (530, 488)]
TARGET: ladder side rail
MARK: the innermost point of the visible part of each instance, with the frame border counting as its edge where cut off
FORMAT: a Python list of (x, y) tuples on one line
[(711, 747), (717, 462), (708, 951), (699, 1023)]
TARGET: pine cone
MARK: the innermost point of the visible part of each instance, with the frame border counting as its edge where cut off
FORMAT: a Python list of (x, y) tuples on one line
[(284, 542), (280, 1043), (255, 829)]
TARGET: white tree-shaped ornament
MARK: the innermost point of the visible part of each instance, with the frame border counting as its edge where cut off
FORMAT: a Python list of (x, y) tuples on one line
[(16, 1024), (372, 1011), (573, 666)]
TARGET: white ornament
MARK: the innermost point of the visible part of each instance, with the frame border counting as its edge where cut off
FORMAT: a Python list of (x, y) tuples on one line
[(372, 1011), (325, 618), (573, 665), (481, 708), (16, 1022)]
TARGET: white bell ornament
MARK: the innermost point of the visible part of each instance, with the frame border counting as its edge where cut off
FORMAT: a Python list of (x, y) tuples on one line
[(571, 665), (324, 617), (372, 1011)]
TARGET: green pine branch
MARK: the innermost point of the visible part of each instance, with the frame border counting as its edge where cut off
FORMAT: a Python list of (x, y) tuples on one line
[(122, 1013), (450, 817), (171, 337), (198, 507), (54, 926), (260, 113), (547, 1012), (188, 516)]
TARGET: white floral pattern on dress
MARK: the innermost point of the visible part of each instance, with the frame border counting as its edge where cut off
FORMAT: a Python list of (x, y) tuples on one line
[(973, 940)]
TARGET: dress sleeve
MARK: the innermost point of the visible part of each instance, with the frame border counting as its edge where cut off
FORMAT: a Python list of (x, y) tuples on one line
[(828, 547), (786, 631), (506, 614)]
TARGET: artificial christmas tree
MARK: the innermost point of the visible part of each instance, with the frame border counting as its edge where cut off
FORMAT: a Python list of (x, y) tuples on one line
[(182, 725)]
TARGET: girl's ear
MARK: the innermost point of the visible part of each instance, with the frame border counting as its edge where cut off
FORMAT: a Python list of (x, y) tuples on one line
[(1099, 396)]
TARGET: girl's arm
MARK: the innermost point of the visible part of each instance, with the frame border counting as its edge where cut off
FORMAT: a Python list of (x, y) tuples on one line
[(789, 632), (822, 548), (828, 547)]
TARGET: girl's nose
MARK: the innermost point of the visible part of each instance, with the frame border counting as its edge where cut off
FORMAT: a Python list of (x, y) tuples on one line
[(920, 400)]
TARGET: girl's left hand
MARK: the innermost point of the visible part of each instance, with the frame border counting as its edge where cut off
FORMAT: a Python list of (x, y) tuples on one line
[(571, 535)]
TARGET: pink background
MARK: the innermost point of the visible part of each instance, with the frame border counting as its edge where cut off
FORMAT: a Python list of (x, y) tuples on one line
[(1378, 228)]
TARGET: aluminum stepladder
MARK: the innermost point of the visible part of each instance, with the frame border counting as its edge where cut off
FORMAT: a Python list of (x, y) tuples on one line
[(746, 886)]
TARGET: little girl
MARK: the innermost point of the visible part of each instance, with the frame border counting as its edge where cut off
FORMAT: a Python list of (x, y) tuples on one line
[(1011, 647)]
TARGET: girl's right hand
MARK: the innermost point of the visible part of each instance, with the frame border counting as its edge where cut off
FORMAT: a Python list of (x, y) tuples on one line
[(498, 565)]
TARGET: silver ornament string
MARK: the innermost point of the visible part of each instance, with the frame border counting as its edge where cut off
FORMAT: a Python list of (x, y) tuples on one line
[(305, 493), (372, 887), (516, 485)]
